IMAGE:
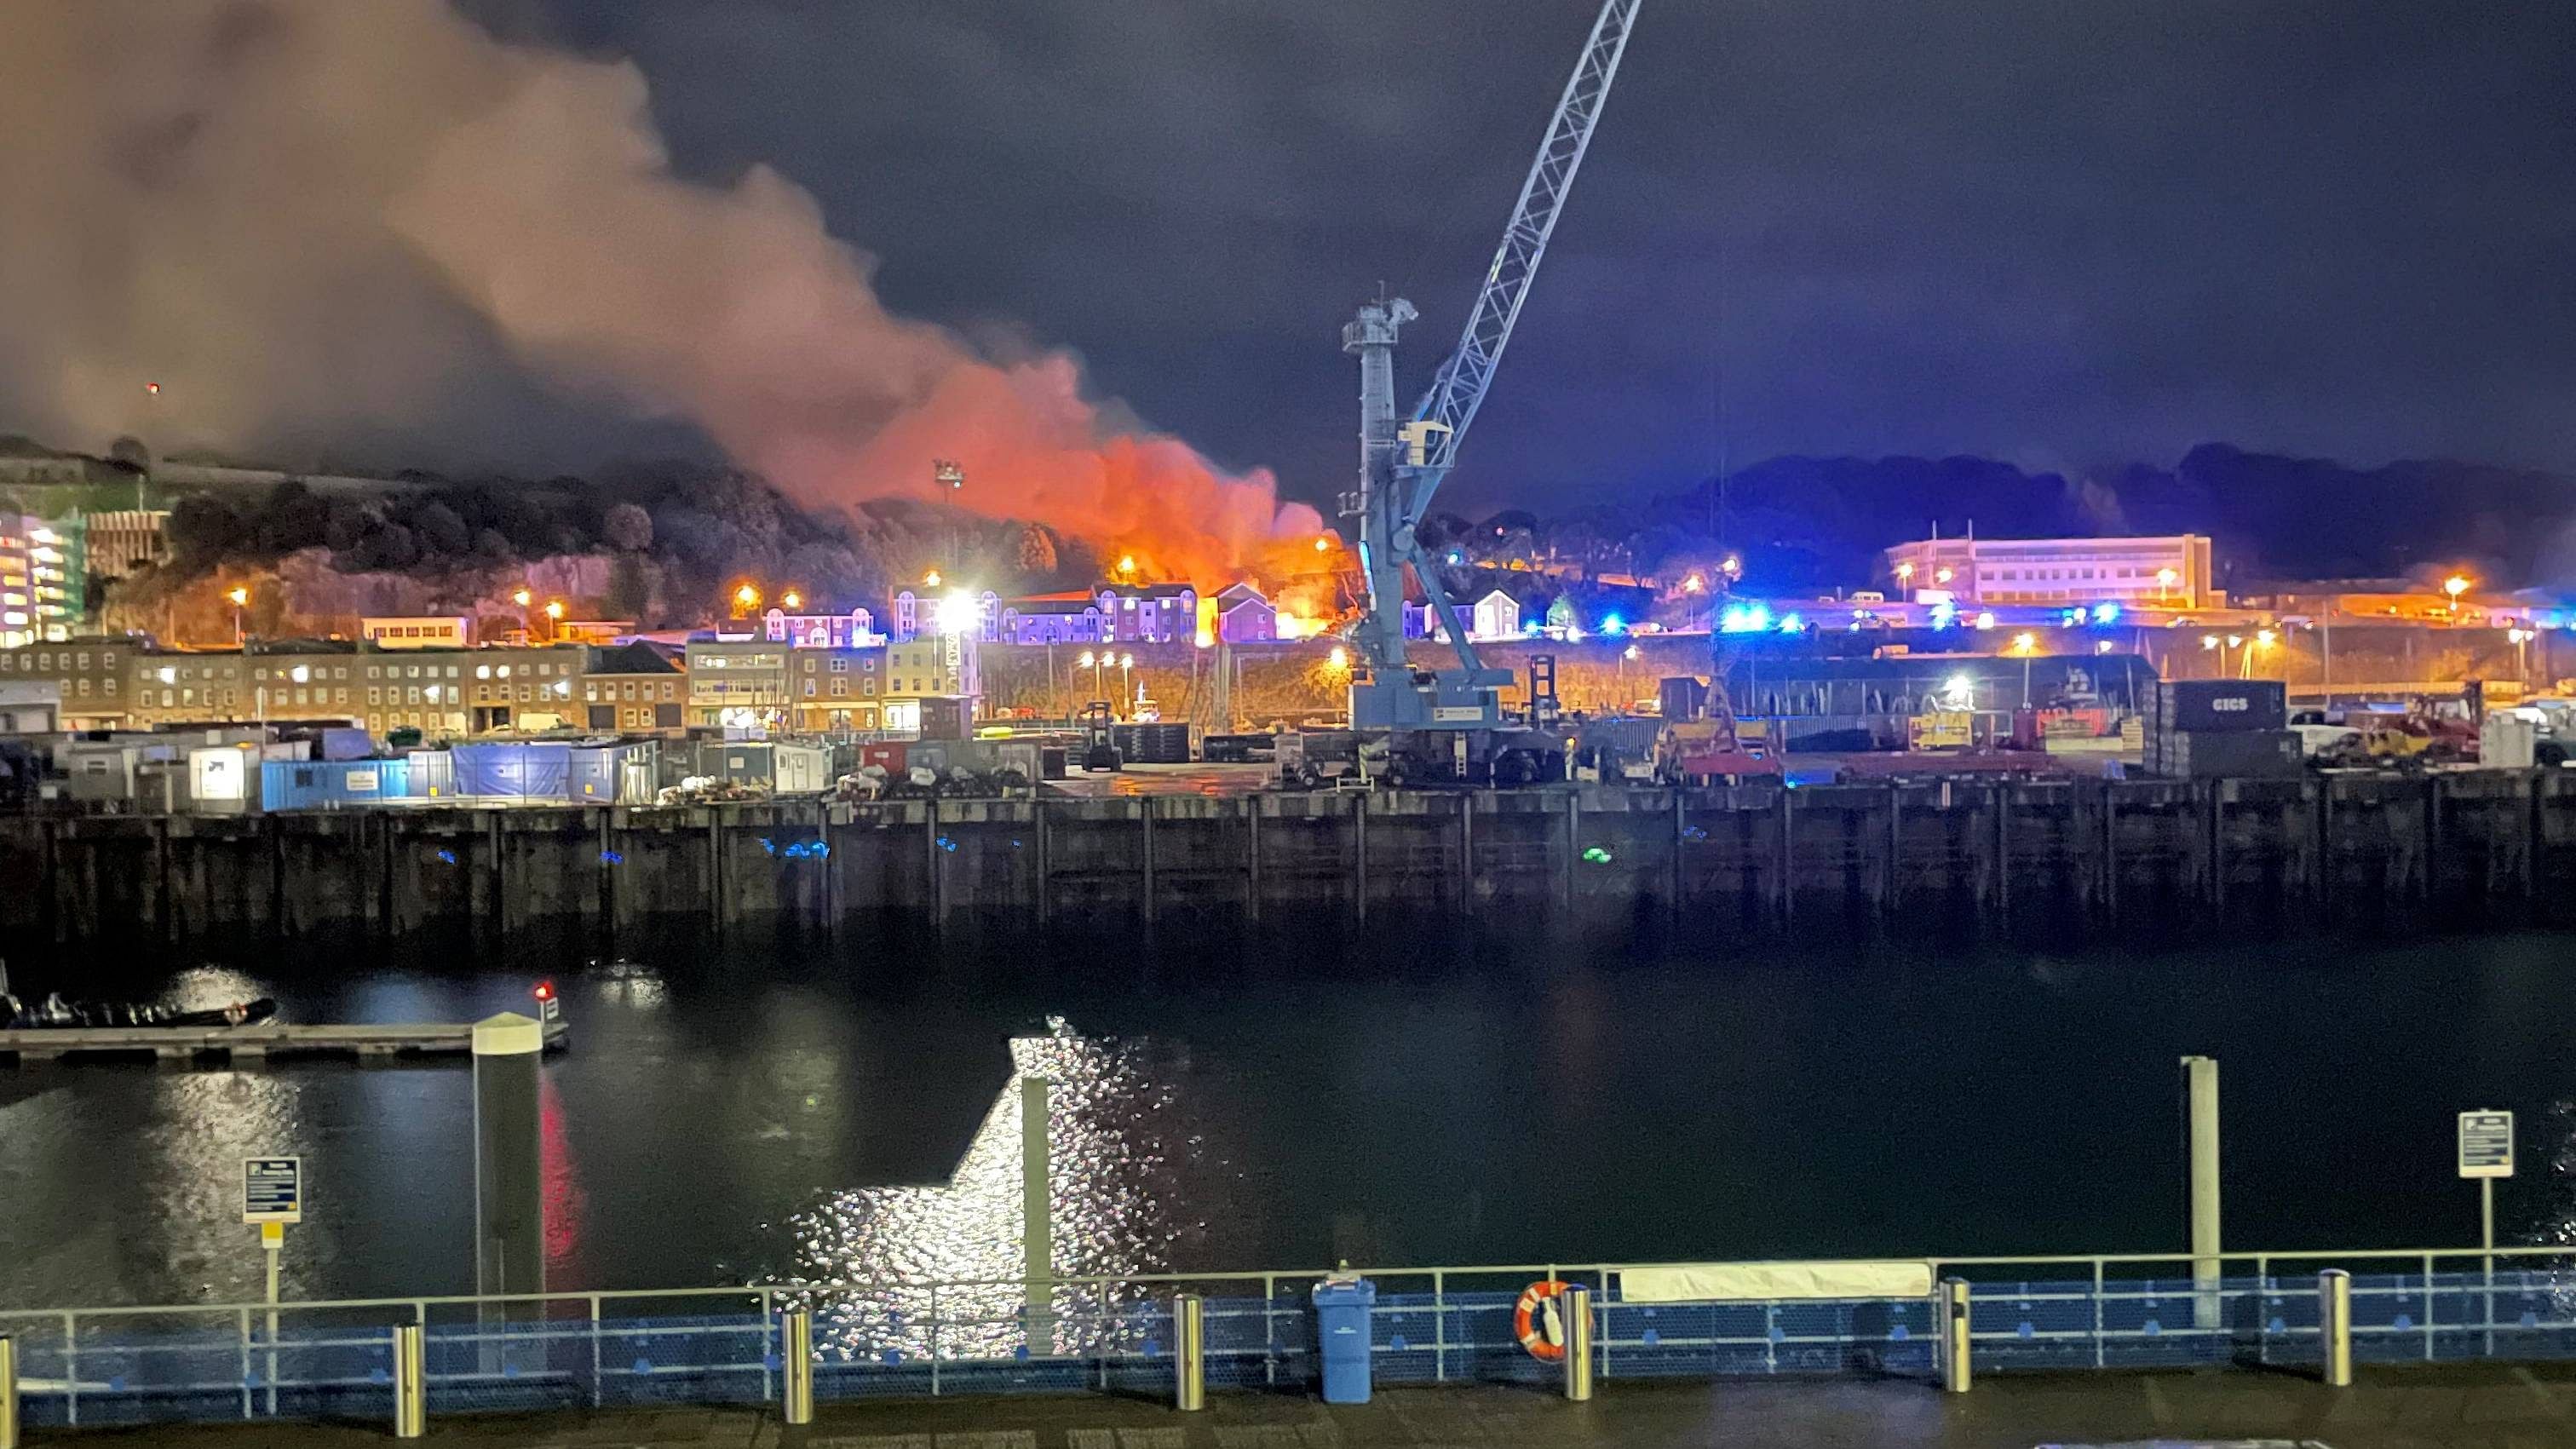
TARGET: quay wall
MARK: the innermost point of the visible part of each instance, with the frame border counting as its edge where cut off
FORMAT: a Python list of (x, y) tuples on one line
[(2051, 859)]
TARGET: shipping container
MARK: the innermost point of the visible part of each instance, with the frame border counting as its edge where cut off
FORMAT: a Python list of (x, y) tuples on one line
[(332, 784), (2233, 705), (627, 773), (887, 755), (433, 775), (946, 718), (338, 742), (783, 769), (98, 773), (1024, 757), (516, 770), (223, 780), (2225, 754)]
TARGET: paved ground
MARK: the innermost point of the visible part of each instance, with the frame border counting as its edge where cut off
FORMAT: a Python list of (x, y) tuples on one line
[(2479, 1407)]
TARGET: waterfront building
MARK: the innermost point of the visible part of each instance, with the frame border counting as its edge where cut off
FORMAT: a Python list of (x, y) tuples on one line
[(1073, 617), (1243, 616), (89, 677), (2171, 572), (853, 630), (1148, 613), (737, 683), (838, 688), (633, 689)]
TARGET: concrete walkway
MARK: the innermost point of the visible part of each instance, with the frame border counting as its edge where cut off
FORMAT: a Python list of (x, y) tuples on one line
[(2482, 1407)]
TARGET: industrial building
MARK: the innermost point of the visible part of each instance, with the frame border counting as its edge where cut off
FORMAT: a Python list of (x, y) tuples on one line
[(2144, 573)]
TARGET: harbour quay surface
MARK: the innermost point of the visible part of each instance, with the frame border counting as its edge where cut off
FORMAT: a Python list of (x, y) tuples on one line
[(2454, 1407)]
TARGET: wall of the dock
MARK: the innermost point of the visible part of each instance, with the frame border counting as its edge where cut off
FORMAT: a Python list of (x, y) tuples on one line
[(2054, 859)]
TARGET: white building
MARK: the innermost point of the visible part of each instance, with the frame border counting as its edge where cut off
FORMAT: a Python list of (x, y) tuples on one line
[(2147, 573), (1495, 616), (433, 631)]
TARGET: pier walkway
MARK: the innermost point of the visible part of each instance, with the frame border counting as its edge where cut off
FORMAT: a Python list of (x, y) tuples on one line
[(2447, 1407)]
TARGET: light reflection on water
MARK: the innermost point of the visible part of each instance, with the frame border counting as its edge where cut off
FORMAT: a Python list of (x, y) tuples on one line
[(1115, 1139)]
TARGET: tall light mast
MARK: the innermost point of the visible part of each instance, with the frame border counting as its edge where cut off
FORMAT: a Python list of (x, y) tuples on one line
[(1402, 463)]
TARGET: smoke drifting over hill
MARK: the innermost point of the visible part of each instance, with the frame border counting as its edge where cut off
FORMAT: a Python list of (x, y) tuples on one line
[(305, 218)]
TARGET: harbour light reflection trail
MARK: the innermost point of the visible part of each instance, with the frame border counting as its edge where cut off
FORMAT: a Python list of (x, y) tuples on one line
[(1116, 1139)]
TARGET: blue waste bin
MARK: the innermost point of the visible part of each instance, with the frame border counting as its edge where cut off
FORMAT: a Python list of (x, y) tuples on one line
[(1342, 1328)]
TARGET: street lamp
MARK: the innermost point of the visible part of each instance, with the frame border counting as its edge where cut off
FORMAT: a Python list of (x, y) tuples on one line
[(241, 598), (2455, 585), (745, 599), (1905, 575), (2025, 645), (792, 599), (1092, 662), (1338, 660), (1127, 694), (554, 619), (930, 580), (2165, 581), (2520, 639)]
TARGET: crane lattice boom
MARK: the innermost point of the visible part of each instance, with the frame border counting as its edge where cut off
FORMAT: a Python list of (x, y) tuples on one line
[(1459, 390)]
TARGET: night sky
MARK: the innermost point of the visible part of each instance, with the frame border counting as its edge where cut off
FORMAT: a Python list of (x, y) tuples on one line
[(2063, 235)]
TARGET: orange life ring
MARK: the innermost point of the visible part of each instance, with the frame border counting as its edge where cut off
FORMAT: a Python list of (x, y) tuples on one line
[(1538, 1327)]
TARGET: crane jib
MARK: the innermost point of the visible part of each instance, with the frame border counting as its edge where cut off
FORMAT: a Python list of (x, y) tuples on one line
[(1403, 465)]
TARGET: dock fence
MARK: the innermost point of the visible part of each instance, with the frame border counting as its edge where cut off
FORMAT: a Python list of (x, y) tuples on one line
[(220, 1362)]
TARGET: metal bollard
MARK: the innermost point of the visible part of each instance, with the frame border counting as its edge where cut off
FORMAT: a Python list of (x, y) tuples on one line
[(8, 1392), (1955, 1337), (1576, 1303), (1189, 1332), (2334, 1325), (796, 1354), (411, 1382)]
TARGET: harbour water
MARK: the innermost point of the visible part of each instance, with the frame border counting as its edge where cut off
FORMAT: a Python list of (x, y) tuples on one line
[(754, 1115)]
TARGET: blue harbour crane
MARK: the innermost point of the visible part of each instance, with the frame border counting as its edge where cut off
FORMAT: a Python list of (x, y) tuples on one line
[(1403, 460)]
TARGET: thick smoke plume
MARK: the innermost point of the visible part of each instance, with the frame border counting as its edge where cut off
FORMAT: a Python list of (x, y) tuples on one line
[(318, 219)]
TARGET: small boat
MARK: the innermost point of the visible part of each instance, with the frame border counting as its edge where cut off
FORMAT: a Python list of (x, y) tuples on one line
[(55, 1013)]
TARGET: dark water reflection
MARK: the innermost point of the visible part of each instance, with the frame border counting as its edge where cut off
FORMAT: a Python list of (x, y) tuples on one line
[(725, 1119)]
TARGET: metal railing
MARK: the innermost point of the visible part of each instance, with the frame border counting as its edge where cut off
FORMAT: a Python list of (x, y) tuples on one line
[(94, 1366)]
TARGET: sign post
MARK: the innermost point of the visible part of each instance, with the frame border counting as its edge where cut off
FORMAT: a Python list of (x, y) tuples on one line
[(272, 1197), (2486, 1153)]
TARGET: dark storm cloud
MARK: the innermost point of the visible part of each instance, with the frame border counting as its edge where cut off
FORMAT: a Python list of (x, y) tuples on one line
[(2063, 234)]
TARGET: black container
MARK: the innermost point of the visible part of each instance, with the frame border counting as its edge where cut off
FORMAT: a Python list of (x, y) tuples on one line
[(2225, 754), (1154, 744), (2208, 706)]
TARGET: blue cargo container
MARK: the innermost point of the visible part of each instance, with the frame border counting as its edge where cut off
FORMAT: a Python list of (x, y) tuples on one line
[(433, 775), (619, 774), (331, 784), (521, 770)]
